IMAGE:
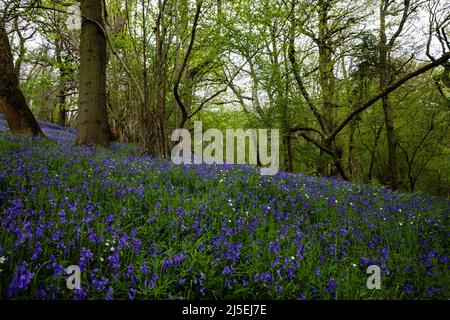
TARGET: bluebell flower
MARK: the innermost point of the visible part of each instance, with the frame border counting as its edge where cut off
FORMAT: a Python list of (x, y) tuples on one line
[(274, 246), (317, 272), (113, 261), (431, 291), (109, 294), (266, 277), (80, 294), (228, 271), (21, 279), (331, 287), (145, 270), (385, 253), (408, 288), (100, 284)]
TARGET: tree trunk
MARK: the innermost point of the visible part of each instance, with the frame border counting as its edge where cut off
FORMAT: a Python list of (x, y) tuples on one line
[(388, 117), (289, 153), (440, 183), (153, 114), (161, 93), (392, 145), (62, 90), (12, 102), (326, 80), (351, 147), (92, 122), (373, 151)]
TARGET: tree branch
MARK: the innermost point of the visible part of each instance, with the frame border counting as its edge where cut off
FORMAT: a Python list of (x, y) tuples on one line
[(185, 60), (444, 58)]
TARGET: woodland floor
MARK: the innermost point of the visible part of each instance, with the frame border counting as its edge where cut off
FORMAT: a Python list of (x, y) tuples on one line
[(142, 228)]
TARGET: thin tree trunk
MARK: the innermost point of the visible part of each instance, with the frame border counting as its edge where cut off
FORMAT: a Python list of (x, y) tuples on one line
[(179, 73), (326, 80), (393, 173), (160, 77), (440, 183), (372, 153), (289, 153), (351, 147), (61, 104)]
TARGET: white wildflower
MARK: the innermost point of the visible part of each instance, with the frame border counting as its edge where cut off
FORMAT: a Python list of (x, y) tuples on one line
[(2, 260)]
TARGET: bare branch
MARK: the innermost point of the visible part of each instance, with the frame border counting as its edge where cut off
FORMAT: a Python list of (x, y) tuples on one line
[(444, 58)]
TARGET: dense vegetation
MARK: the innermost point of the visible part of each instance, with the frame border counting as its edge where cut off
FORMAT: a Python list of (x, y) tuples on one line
[(143, 228), (91, 92)]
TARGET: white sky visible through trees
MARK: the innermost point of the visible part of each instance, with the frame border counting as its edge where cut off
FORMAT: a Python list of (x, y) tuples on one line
[(412, 41)]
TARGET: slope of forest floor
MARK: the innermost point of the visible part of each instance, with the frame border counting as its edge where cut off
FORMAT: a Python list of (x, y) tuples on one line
[(141, 228)]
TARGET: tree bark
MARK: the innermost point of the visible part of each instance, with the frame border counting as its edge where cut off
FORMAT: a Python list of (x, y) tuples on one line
[(12, 101), (160, 78), (326, 80), (393, 173), (92, 121), (373, 151), (351, 147), (179, 73), (62, 86)]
